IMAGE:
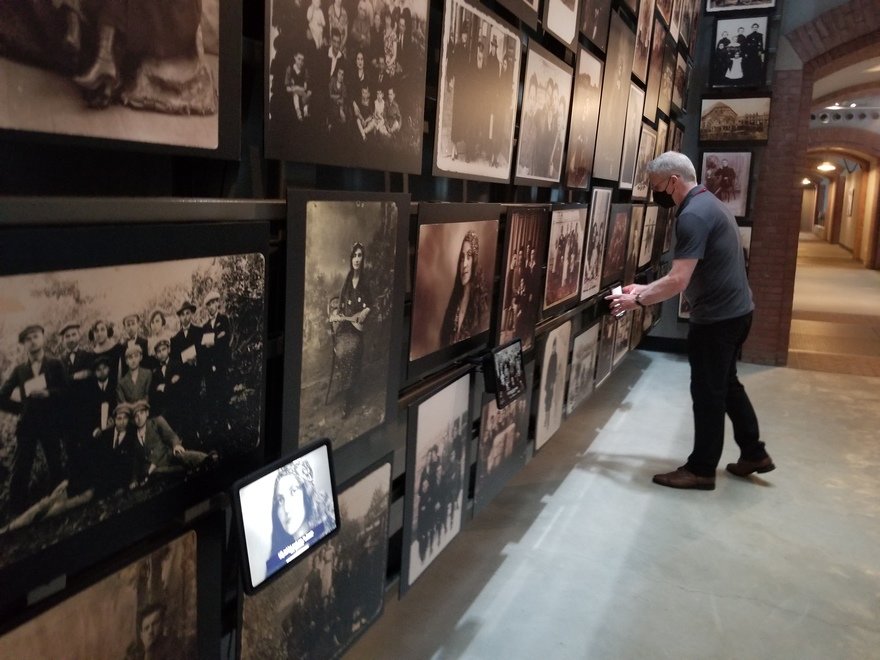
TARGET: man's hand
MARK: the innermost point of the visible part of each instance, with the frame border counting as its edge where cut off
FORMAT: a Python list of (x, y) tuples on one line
[(178, 450)]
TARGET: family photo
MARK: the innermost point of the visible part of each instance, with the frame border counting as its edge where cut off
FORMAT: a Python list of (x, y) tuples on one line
[(739, 58), (584, 120), (594, 248), (615, 96), (583, 367), (502, 445), (564, 256), (726, 175), (551, 389)]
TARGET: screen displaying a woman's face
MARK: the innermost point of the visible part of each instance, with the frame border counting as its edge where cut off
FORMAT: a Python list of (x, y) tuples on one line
[(357, 259), (465, 263), (290, 504)]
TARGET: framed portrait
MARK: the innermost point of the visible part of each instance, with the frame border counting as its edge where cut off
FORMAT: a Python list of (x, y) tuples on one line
[(551, 384), (664, 9), (647, 147), (739, 57), (648, 233), (564, 255), (631, 136), (675, 137), (675, 20), (148, 78), (634, 243), (152, 327), (655, 71), (667, 78), (713, 6), (345, 83), (680, 84), (544, 118), (584, 120), (439, 433), (583, 367), (454, 279), (686, 22), (662, 132), (615, 97), (605, 355), (726, 174), (668, 229), (621, 338), (594, 249), (477, 94), (735, 119), (525, 10), (525, 249), (320, 607), (561, 20), (643, 40), (346, 259), (595, 16), (615, 244)]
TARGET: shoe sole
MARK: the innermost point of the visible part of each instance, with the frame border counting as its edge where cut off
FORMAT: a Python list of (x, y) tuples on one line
[(760, 470), (694, 487)]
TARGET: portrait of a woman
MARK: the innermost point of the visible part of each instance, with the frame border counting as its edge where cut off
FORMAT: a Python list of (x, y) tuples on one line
[(158, 330), (467, 313)]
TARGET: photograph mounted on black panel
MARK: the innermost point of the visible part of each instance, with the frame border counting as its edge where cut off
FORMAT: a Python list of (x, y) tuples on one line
[(680, 85), (583, 367), (320, 607), (564, 256), (455, 275), (543, 120), (605, 355), (594, 247), (631, 136), (123, 378), (344, 313), (504, 373), (735, 120), (440, 430), (148, 609), (584, 120), (739, 58), (634, 243), (643, 40), (345, 84), (595, 15), (477, 94), (622, 337), (551, 386), (655, 72), (523, 274), (524, 10), (162, 75), (615, 96), (726, 174), (647, 146), (737, 5), (664, 8), (647, 248), (667, 78), (561, 20), (615, 244)]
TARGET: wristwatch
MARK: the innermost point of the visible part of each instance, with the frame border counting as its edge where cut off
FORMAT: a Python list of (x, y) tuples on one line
[(638, 301)]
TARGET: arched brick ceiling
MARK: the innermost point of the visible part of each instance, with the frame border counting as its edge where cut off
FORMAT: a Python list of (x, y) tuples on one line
[(834, 28)]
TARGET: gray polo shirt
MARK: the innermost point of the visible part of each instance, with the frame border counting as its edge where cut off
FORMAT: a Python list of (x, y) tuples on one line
[(706, 230)]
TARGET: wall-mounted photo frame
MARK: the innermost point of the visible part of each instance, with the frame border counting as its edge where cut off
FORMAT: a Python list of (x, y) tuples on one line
[(522, 274), (735, 119), (675, 20), (664, 9), (605, 355), (634, 243), (322, 606), (477, 94), (338, 93), (151, 78), (655, 71), (739, 58), (454, 279), (634, 110), (439, 433), (564, 257), (561, 20), (621, 338), (615, 244), (583, 367), (680, 84), (647, 147), (525, 10), (594, 247), (551, 383), (595, 16), (713, 6), (662, 132), (648, 235), (544, 117), (346, 260), (584, 120), (726, 175), (643, 40), (667, 78)]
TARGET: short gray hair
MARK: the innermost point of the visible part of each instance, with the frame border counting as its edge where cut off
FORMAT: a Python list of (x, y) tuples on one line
[(673, 162)]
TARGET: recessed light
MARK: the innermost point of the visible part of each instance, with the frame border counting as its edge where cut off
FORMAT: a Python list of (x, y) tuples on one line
[(806, 182), (826, 167), (852, 105)]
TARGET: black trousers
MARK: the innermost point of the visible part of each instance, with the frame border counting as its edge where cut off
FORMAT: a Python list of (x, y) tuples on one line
[(713, 349)]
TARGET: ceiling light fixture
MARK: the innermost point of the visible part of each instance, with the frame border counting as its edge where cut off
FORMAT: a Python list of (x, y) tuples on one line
[(826, 167), (806, 182), (852, 105)]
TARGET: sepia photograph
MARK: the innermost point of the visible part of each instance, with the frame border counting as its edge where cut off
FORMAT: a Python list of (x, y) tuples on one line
[(321, 606), (477, 94), (583, 367), (544, 117), (615, 97), (346, 82), (615, 244), (664, 8), (737, 5), (146, 610), (726, 175), (524, 10), (146, 73), (675, 20), (667, 78), (345, 313), (595, 15), (732, 120), (634, 243), (662, 132), (680, 84), (643, 40), (594, 247), (622, 337), (647, 147), (523, 274), (646, 251), (436, 476), (584, 120), (668, 228), (655, 72), (564, 256), (739, 58), (631, 136), (561, 20), (605, 354), (551, 387), (454, 279)]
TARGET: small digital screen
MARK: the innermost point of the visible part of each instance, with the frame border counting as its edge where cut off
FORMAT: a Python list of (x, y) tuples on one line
[(510, 379), (284, 511)]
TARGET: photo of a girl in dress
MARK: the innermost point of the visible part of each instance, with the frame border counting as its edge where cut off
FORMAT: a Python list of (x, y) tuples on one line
[(467, 313)]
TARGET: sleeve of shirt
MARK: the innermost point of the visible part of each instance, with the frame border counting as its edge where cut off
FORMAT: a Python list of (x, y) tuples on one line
[(691, 236)]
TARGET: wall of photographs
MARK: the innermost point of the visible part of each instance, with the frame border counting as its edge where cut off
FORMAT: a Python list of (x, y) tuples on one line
[(227, 230)]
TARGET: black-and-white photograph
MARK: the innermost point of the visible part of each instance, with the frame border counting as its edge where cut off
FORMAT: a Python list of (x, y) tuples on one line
[(525, 10), (667, 78), (605, 355), (594, 248), (643, 39), (595, 15), (615, 244), (621, 337), (522, 281), (551, 388), (738, 5), (502, 447), (346, 82), (726, 174), (680, 84), (583, 367), (655, 71), (561, 20), (647, 146), (646, 251), (477, 94), (455, 272), (634, 243), (735, 120), (436, 478), (631, 136), (508, 373), (739, 58), (140, 72), (346, 314), (321, 606), (615, 97), (564, 256), (543, 122), (584, 120), (119, 382), (146, 610)]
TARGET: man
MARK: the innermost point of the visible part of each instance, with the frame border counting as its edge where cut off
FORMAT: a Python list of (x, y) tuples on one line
[(296, 82), (152, 641), (392, 113), (186, 347), (131, 337), (35, 392), (114, 467), (215, 359), (77, 361), (753, 55), (134, 385), (165, 382), (708, 266)]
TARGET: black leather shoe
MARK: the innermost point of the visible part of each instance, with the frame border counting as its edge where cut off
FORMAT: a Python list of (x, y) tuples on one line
[(683, 478), (743, 468)]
